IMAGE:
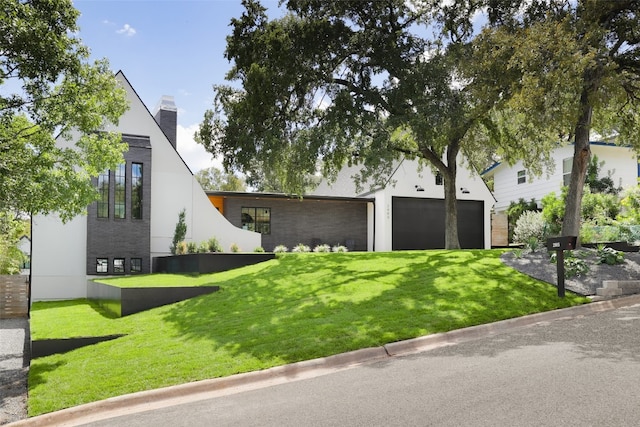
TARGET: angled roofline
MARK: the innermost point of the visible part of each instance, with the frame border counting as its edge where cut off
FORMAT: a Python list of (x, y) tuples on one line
[(283, 196), (120, 72)]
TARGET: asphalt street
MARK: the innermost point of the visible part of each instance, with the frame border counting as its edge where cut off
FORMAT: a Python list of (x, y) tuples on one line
[(583, 371)]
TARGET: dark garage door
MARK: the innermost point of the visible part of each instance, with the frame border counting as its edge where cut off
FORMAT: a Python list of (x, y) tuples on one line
[(419, 223)]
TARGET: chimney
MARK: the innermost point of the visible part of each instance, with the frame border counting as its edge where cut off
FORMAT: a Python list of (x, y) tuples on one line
[(166, 115)]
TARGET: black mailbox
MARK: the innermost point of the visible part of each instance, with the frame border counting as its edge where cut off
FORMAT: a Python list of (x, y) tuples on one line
[(561, 243)]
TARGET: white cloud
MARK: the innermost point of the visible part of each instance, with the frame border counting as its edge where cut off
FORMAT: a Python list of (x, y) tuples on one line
[(127, 30), (194, 154)]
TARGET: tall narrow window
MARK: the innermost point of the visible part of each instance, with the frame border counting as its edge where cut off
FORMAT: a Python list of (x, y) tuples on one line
[(136, 190), (567, 165), (257, 219), (103, 190), (439, 178), (136, 265), (120, 193), (522, 176)]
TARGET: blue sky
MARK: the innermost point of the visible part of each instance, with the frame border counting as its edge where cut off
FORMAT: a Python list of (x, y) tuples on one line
[(166, 47)]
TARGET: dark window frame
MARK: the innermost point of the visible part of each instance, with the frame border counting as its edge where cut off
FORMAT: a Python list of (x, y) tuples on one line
[(100, 264), (136, 265), (103, 190), (120, 192), (253, 220), (522, 176), (136, 190), (119, 269)]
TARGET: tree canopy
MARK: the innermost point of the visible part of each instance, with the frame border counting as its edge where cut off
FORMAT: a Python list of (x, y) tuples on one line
[(579, 69), (214, 179), (48, 87), (349, 82)]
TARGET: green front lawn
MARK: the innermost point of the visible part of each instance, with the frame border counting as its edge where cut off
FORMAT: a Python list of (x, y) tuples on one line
[(293, 308)]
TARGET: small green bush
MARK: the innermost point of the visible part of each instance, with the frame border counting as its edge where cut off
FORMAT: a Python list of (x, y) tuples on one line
[(181, 248), (301, 247), (573, 266), (234, 248), (609, 256), (192, 248), (322, 248), (280, 249), (339, 248), (529, 227), (258, 249), (203, 248), (214, 245)]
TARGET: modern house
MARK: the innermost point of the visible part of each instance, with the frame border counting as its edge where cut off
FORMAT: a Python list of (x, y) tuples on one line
[(135, 217), (511, 183), (406, 213)]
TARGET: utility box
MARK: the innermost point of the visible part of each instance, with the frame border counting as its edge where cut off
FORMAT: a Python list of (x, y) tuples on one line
[(562, 243)]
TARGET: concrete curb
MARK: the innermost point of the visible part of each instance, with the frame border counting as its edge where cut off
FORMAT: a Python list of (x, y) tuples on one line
[(205, 389)]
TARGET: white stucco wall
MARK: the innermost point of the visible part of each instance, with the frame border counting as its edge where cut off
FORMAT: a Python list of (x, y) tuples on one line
[(403, 183), (58, 258), (621, 161)]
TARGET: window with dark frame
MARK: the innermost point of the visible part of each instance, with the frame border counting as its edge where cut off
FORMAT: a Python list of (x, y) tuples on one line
[(120, 192), (118, 265), (439, 178), (136, 190), (522, 176), (102, 265), (136, 265), (103, 191), (256, 219)]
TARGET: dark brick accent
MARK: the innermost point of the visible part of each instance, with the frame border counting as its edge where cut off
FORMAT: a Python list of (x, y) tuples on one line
[(168, 122), (307, 221), (123, 238)]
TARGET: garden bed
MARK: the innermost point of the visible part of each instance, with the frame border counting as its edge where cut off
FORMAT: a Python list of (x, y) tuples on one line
[(124, 301), (208, 262)]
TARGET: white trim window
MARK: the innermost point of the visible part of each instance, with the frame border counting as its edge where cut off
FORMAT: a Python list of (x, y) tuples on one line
[(567, 166), (522, 176)]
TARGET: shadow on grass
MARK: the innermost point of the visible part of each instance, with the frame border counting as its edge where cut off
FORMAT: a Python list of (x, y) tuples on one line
[(38, 373), (325, 305)]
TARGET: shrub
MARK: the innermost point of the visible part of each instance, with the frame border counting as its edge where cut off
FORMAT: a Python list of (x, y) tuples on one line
[(301, 247), (258, 249), (280, 249), (214, 245), (192, 247), (234, 248), (203, 248), (181, 248), (322, 248), (516, 209), (530, 227), (609, 256), (573, 267), (179, 233), (339, 248)]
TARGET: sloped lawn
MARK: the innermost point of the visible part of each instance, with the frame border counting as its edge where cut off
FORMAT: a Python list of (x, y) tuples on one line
[(293, 308)]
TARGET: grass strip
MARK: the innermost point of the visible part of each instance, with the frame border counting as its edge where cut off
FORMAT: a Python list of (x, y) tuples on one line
[(296, 307)]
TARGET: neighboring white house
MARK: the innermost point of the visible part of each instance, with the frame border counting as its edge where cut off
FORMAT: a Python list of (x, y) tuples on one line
[(408, 212), (135, 218), (511, 183)]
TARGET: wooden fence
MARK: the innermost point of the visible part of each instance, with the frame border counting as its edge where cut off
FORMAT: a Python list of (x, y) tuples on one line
[(14, 296)]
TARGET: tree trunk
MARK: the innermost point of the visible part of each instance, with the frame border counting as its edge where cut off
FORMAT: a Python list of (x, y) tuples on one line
[(581, 157), (451, 240)]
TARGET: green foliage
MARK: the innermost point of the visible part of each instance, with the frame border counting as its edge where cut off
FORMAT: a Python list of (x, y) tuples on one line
[(11, 230), (203, 248), (301, 247), (213, 179), (516, 209), (339, 248), (530, 229), (286, 310), (573, 266), (610, 256), (599, 184), (280, 249), (630, 205), (192, 248), (213, 245), (553, 211), (181, 248), (48, 87), (234, 248), (322, 248), (259, 249), (180, 231)]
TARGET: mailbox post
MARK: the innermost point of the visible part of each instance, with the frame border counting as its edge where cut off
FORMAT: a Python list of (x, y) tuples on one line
[(560, 244)]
